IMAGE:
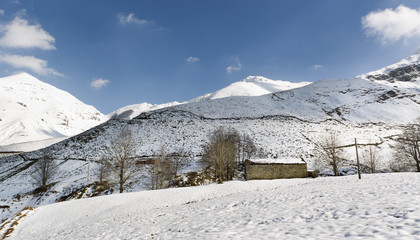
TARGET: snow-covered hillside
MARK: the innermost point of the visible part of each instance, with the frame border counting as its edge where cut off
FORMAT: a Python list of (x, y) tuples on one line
[(379, 206), (353, 100), (403, 74), (287, 123), (250, 86), (32, 110)]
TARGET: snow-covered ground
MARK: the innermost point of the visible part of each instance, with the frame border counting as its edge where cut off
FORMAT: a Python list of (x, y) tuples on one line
[(30, 146), (380, 206)]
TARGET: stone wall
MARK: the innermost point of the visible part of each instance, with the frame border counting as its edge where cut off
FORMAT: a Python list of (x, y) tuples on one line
[(274, 170)]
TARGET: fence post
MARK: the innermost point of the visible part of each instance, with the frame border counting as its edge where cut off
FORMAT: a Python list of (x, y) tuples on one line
[(357, 157)]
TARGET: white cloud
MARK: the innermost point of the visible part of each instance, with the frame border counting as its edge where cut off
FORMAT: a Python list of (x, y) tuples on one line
[(235, 67), (34, 64), (1, 12), (391, 25), (99, 83), (131, 19), (20, 34), (317, 66), (192, 59)]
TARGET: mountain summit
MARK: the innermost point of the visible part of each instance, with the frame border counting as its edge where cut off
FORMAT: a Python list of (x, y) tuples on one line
[(32, 110)]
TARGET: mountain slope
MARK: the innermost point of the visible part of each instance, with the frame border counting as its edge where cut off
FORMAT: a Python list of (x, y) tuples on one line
[(250, 86), (403, 74), (288, 123), (353, 100), (32, 110)]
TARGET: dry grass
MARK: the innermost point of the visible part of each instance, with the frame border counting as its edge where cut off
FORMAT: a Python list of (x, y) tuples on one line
[(23, 213)]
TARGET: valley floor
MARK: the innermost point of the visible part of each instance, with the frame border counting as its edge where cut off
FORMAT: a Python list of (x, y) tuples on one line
[(380, 206)]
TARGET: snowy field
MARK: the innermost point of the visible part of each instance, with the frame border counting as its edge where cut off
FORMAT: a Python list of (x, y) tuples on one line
[(380, 206)]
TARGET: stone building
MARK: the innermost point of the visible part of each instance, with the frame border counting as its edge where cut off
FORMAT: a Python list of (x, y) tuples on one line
[(275, 168)]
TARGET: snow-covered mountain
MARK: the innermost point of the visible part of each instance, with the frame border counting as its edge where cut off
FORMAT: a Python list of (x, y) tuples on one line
[(403, 74), (286, 123), (329, 103), (32, 110), (353, 100), (250, 86)]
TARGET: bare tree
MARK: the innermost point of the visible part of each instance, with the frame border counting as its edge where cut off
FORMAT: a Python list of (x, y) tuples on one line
[(103, 171), (161, 171), (179, 160), (120, 161), (407, 149), (249, 148), (44, 170), (221, 153), (330, 155), (371, 158)]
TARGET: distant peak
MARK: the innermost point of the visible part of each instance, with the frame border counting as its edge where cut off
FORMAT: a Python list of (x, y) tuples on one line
[(25, 75), (256, 79)]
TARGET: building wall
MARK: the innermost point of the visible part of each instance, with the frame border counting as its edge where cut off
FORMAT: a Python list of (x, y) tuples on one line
[(274, 171)]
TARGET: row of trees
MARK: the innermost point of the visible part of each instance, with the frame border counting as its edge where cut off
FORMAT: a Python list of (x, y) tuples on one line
[(331, 152), (224, 156), (120, 165), (407, 149)]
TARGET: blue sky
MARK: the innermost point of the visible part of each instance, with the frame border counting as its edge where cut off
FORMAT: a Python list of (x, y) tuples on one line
[(161, 51)]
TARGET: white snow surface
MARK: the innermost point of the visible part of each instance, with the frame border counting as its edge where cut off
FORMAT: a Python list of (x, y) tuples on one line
[(279, 160), (379, 206), (31, 146), (250, 86), (32, 110)]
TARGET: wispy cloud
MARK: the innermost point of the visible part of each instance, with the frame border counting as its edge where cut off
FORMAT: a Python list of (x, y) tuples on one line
[(317, 66), (130, 18), (391, 25), (192, 59), (32, 63), (1, 12), (19, 33), (99, 83), (235, 67)]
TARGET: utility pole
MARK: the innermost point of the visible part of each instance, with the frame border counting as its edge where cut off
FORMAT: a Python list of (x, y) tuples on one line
[(357, 157), (88, 173)]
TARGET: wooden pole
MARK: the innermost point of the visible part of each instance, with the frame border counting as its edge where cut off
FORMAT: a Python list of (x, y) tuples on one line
[(88, 173), (357, 157)]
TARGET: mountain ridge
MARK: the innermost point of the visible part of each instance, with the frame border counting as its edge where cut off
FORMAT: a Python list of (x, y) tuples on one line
[(249, 86)]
